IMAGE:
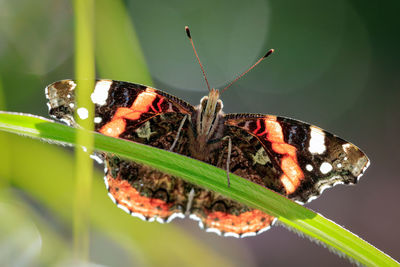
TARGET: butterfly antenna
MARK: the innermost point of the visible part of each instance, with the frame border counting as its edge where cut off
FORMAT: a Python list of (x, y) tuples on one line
[(249, 69), (197, 56)]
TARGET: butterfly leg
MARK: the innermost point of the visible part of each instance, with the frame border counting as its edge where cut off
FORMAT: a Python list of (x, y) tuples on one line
[(178, 133), (190, 202), (228, 159)]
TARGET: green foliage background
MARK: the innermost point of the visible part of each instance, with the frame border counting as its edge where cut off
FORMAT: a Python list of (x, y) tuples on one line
[(335, 66)]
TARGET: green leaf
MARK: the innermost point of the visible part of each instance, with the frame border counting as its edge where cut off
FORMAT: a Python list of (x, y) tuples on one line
[(289, 213)]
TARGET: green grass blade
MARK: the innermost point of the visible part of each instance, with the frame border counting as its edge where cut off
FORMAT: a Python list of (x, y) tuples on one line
[(85, 74), (4, 144), (289, 213)]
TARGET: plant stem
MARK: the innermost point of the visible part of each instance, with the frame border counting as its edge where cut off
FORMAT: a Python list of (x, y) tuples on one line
[(5, 167), (85, 73)]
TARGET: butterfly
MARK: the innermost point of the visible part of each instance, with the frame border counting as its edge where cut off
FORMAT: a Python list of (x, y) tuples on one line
[(293, 158)]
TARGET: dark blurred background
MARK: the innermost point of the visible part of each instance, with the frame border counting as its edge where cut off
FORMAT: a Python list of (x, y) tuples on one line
[(336, 66)]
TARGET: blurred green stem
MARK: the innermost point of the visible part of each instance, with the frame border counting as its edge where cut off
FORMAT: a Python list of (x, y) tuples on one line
[(85, 73), (5, 149), (119, 55)]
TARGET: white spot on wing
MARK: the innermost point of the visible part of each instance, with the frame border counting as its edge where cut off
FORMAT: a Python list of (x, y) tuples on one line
[(337, 183), (106, 183), (201, 225), (138, 215), (312, 198), (100, 93), (317, 141), (366, 166), (265, 229), (83, 113), (325, 167), (232, 234), (124, 208), (251, 233), (213, 230), (309, 167), (175, 215), (160, 220), (97, 119), (323, 188), (68, 121), (363, 170), (112, 198), (194, 217), (72, 85), (197, 218), (346, 147), (97, 159)]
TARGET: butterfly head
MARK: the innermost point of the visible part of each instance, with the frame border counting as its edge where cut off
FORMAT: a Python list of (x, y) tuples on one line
[(208, 113), (211, 105)]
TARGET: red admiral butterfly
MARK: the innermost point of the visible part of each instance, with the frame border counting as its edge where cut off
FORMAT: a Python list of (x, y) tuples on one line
[(291, 157)]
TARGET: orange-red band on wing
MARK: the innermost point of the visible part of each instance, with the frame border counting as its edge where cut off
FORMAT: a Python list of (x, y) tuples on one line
[(129, 197), (292, 173), (142, 104), (269, 129), (247, 222)]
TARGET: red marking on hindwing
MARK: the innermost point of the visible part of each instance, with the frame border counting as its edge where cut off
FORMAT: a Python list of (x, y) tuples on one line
[(142, 104), (128, 196), (247, 222)]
